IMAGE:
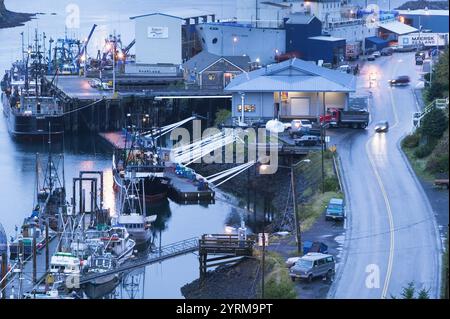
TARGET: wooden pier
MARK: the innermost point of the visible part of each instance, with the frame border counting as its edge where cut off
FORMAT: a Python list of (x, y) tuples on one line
[(225, 248)]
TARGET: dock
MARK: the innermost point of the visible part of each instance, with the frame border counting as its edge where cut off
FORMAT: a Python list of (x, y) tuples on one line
[(166, 252), (14, 277), (184, 191), (226, 249)]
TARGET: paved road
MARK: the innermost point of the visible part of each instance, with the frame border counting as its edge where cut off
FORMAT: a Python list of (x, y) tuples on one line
[(391, 237)]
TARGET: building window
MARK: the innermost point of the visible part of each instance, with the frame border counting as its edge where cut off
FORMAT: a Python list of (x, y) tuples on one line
[(248, 108)]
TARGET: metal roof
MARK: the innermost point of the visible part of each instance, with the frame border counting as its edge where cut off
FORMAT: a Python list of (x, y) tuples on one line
[(305, 77), (155, 14), (300, 18), (325, 38), (376, 40), (398, 27), (205, 59)]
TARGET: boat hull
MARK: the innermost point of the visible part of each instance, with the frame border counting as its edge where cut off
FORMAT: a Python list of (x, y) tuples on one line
[(156, 188), (32, 127)]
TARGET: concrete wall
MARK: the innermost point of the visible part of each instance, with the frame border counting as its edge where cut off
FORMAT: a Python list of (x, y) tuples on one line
[(163, 48)]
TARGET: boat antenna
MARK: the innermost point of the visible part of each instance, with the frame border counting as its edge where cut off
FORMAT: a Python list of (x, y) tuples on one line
[(50, 155)]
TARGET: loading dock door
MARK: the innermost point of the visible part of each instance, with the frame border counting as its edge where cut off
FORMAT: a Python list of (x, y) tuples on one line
[(300, 106)]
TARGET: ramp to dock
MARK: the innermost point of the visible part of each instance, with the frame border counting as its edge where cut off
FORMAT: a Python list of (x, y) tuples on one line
[(167, 252)]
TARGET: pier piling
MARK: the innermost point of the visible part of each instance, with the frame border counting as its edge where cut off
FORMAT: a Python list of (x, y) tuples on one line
[(4, 266)]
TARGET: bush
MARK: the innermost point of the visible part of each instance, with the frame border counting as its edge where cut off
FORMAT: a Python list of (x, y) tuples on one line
[(279, 290), (221, 117), (411, 141), (424, 150), (331, 184), (434, 123), (437, 164)]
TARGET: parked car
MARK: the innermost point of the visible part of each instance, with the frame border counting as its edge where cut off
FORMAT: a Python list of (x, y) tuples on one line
[(291, 261), (401, 80), (298, 126), (420, 54), (387, 51), (95, 83), (313, 265), (345, 68), (371, 58), (376, 54), (382, 127), (308, 247), (307, 140), (335, 210)]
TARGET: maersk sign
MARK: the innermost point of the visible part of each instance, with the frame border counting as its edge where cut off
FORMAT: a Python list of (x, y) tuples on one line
[(427, 39)]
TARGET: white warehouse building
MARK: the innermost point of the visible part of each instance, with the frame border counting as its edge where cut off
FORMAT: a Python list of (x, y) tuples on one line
[(158, 39)]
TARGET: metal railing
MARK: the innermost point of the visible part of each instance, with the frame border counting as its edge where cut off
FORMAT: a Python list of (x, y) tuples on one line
[(166, 252)]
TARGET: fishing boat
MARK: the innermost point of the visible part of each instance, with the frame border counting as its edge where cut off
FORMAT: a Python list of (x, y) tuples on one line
[(29, 111), (23, 242), (141, 161), (117, 241), (99, 264), (132, 213)]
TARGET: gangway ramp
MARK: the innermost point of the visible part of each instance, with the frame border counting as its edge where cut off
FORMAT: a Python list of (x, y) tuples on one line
[(164, 253)]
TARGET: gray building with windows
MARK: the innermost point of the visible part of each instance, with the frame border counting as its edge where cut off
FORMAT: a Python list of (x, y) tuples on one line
[(210, 71), (289, 90)]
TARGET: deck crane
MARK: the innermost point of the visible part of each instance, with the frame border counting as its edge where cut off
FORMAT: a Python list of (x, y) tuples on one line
[(83, 50), (128, 48)]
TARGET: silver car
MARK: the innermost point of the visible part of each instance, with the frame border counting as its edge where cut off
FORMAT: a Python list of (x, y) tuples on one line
[(313, 265)]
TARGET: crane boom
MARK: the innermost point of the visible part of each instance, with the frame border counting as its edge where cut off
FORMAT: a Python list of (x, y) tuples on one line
[(83, 50)]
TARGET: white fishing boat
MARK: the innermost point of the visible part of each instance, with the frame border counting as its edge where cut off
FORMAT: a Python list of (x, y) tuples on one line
[(119, 244)]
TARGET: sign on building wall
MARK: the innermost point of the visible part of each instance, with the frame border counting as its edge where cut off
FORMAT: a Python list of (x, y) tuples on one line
[(158, 32), (427, 39)]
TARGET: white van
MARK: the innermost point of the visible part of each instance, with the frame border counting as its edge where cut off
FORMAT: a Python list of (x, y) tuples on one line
[(313, 265)]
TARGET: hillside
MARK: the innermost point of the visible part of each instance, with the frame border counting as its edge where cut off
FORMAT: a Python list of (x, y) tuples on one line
[(421, 4), (9, 19)]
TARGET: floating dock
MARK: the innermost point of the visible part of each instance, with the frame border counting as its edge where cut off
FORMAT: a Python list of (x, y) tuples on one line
[(182, 190), (185, 191)]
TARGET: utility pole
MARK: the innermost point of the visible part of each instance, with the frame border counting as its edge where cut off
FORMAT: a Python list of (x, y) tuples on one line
[(34, 255), (294, 201), (323, 134)]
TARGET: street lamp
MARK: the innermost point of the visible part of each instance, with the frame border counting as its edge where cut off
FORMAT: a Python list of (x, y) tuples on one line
[(242, 109), (235, 40)]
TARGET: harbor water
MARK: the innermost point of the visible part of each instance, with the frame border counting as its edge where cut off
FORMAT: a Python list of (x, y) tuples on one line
[(17, 160)]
